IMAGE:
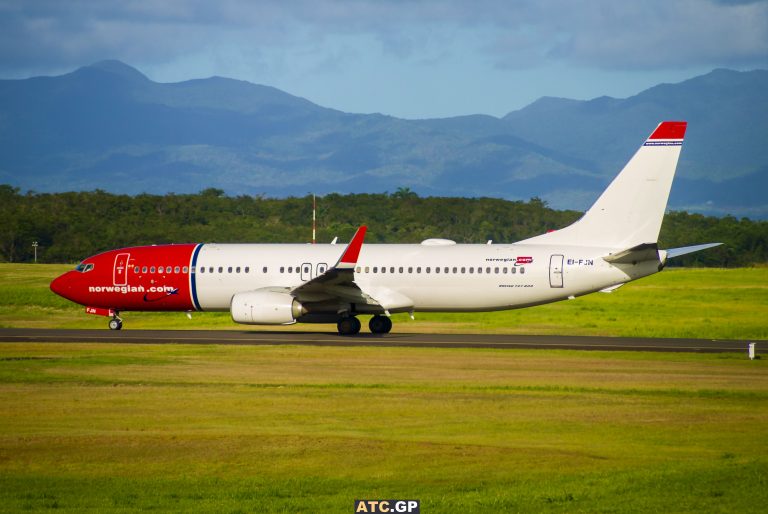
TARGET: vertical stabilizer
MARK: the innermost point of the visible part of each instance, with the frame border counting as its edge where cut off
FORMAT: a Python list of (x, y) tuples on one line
[(630, 210)]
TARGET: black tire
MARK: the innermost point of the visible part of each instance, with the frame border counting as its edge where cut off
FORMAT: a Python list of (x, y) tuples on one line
[(348, 326), (115, 324), (380, 325)]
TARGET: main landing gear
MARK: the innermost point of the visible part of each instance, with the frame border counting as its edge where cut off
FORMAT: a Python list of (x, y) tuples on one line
[(380, 325), (350, 326)]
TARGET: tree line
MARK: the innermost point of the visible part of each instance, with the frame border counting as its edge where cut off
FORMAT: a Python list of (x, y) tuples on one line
[(71, 226)]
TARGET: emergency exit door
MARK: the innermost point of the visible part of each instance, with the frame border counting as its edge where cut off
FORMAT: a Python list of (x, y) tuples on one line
[(556, 271)]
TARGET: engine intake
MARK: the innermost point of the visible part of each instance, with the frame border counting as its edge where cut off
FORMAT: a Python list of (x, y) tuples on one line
[(264, 307)]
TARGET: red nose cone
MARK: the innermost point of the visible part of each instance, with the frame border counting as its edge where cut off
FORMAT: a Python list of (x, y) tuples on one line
[(60, 286)]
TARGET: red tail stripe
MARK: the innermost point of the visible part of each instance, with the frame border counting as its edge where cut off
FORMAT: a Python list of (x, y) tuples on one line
[(670, 130)]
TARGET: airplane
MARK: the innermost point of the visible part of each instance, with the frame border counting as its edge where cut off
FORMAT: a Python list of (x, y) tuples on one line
[(614, 242)]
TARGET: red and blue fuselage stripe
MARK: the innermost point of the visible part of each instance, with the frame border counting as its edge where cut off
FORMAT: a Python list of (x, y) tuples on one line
[(192, 280)]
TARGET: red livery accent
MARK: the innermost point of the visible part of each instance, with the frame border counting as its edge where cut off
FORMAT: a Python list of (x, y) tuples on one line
[(143, 278), (670, 130), (353, 250), (524, 260), (98, 311)]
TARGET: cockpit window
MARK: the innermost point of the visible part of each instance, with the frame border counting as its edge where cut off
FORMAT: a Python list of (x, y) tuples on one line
[(83, 267)]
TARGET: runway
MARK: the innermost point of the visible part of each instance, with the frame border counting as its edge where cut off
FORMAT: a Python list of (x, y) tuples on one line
[(499, 341)]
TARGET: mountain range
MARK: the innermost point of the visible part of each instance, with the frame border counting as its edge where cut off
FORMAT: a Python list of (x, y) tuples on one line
[(108, 126)]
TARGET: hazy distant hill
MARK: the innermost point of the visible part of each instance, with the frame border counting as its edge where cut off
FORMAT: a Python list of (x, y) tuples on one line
[(108, 126)]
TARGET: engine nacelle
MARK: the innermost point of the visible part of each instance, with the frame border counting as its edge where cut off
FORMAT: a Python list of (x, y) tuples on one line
[(264, 307)]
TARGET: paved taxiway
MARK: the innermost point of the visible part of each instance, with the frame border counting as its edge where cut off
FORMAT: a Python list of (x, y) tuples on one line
[(243, 337)]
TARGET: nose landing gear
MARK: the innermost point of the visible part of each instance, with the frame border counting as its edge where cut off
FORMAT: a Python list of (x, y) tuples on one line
[(115, 323)]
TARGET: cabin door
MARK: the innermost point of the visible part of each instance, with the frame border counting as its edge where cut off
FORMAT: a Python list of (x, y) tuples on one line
[(556, 271), (120, 273)]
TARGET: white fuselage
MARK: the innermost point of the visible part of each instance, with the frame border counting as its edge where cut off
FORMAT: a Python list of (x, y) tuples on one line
[(418, 277)]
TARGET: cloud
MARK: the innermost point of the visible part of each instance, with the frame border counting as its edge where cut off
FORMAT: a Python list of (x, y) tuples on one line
[(605, 34)]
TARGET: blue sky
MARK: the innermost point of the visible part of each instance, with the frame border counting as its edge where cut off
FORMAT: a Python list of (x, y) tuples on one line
[(410, 59)]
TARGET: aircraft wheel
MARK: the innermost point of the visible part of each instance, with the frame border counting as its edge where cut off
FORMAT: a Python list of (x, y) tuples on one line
[(380, 324), (348, 326), (115, 324)]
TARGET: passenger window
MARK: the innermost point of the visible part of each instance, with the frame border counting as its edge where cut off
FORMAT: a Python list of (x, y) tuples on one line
[(210, 269), (136, 269), (306, 269), (152, 269), (185, 269), (496, 270), (290, 269), (437, 269), (488, 270), (383, 269), (479, 270), (264, 269), (375, 269), (513, 270), (418, 270), (247, 269), (463, 270), (456, 270), (428, 270), (162, 270), (522, 269), (176, 269), (357, 270), (410, 269), (401, 269), (391, 269), (282, 269), (221, 269), (202, 269), (143, 269)]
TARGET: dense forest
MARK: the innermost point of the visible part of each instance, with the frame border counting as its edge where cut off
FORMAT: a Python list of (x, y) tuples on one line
[(71, 226)]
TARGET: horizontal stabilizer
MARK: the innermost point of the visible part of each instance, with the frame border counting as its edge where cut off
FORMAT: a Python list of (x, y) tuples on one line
[(677, 252), (639, 253)]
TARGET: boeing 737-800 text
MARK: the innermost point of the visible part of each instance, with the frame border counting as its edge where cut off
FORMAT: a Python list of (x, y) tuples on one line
[(614, 242)]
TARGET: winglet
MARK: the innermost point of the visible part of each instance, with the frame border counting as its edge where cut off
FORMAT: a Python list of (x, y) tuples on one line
[(348, 259)]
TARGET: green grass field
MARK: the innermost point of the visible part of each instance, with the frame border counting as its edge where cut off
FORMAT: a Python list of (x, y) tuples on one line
[(705, 303), (121, 428), (287, 429)]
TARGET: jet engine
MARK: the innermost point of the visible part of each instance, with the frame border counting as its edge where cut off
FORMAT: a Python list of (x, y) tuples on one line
[(265, 307)]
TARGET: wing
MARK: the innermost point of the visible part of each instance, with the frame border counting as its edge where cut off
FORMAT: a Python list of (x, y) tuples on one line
[(338, 283)]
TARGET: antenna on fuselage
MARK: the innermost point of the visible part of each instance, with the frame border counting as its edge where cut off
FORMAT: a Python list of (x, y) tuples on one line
[(314, 219)]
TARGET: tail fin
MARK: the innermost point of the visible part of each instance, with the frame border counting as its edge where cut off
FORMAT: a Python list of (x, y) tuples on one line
[(630, 210)]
